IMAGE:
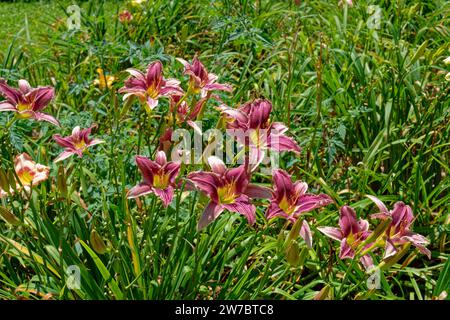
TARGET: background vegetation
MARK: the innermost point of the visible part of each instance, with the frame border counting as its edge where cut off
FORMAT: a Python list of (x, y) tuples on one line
[(370, 107)]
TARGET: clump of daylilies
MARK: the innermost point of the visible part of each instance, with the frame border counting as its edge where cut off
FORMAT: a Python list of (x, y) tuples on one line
[(227, 188)]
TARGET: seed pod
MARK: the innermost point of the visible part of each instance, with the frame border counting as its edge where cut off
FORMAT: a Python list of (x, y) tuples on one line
[(4, 185), (293, 253), (9, 217), (61, 181), (97, 242)]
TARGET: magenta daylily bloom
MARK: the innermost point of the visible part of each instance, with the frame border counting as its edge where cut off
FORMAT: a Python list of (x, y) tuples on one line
[(159, 178), (351, 233), (228, 189), (398, 232), (26, 101), (200, 81), (252, 120), (77, 143), (290, 200), (149, 87)]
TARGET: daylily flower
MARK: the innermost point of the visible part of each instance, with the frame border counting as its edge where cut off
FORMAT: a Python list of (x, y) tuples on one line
[(351, 234), (149, 87), (252, 124), (398, 232), (159, 178), (228, 189), (29, 173), (200, 81), (77, 143), (184, 113), (290, 200), (125, 16), (27, 102), (104, 81)]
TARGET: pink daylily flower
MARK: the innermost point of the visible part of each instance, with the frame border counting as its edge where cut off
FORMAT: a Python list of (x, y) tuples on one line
[(290, 200), (149, 87), (27, 102), (228, 189), (200, 80), (29, 173), (77, 143), (159, 178), (351, 233), (259, 133), (398, 232)]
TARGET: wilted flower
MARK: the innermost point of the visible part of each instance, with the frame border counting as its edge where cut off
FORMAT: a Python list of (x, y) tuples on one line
[(104, 81), (27, 102), (159, 177), (200, 81), (351, 234), (125, 16), (398, 232), (77, 143), (150, 86), (290, 200), (252, 124), (228, 189), (29, 173), (447, 60)]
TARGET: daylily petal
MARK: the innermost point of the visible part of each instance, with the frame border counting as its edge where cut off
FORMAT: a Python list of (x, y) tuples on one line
[(43, 96), (390, 249), (206, 182), (95, 142), (218, 86), (63, 155), (6, 106), (333, 233), (310, 202), (172, 169), (11, 94), (378, 203), (63, 142), (212, 211), (283, 143), (46, 117), (367, 261), (139, 190), (305, 233), (275, 211), (165, 195), (244, 207), (147, 167), (255, 191), (217, 165), (24, 86), (346, 251), (282, 184), (161, 158), (347, 221)]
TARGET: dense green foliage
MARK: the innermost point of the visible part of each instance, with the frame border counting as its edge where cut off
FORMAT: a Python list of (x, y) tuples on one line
[(370, 108)]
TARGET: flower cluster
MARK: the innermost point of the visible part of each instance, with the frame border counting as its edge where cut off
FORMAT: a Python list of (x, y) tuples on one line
[(228, 189)]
